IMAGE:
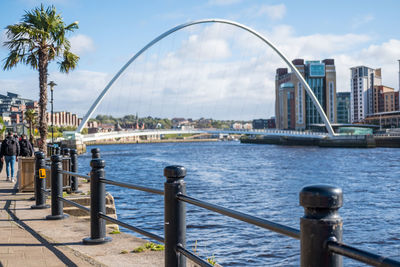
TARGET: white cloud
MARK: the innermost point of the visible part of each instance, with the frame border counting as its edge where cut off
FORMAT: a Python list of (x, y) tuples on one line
[(81, 44), (274, 12), (359, 21), (223, 2), (383, 55), (3, 38)]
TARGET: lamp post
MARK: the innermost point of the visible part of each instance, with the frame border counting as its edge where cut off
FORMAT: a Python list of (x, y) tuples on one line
[(52, 84)]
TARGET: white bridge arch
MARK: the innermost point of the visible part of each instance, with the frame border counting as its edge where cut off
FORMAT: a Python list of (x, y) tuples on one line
[(184, 25)]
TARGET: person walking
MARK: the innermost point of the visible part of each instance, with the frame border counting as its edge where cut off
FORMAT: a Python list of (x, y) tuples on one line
[(10, 151), (25, 147)]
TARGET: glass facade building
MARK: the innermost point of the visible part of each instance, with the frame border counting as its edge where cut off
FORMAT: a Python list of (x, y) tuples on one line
[(343, 107), (321, 77)]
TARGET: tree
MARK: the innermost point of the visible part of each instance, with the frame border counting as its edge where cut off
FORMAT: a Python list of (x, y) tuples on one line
[(36, 41), (30, 117)]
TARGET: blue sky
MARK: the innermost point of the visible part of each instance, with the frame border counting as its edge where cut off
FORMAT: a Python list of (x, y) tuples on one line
[(351, 32)]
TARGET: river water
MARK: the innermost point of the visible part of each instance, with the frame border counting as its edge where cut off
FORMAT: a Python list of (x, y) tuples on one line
[(264, 181)]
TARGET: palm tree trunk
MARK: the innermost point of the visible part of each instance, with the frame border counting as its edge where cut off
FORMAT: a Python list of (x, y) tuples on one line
[(31, 132), (43, 63)]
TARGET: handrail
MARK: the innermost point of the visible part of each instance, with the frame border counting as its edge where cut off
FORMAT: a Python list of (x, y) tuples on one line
[(192, 257), (361, 255), (84, 176), (79, 206), (130, 227), (275, 227), (132, 186)]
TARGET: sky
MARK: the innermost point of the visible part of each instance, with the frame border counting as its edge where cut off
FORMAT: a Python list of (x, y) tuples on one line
[(211, 70)]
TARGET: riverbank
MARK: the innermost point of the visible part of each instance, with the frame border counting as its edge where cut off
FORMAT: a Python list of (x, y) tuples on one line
[(362, 141)]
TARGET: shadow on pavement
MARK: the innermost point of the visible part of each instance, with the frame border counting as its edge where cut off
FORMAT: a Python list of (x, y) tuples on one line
[(43, 241)]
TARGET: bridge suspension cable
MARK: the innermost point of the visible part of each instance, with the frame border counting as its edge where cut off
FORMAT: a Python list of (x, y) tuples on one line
[(184, 25)]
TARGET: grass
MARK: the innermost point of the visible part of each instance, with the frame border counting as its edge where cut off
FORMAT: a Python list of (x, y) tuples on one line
[(176, 136), (114, 232), (149, 246), (124, 251), (211, 260)]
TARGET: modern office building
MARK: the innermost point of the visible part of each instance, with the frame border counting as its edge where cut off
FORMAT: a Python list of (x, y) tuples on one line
[(294, 109), (343, 107), (363, 80)]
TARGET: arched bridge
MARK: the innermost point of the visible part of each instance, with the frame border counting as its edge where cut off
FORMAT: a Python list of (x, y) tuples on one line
[(182, 26)]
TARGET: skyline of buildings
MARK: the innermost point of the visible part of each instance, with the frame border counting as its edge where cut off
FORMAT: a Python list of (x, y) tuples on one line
[(368, 97)]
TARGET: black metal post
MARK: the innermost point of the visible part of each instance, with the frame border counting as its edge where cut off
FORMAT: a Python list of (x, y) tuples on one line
[(321, 223), (65, 152), (57, 151), (56, 190), (95, 153), (74, 168), (52, 117), (97, 204), (174, 216), (40, 183)]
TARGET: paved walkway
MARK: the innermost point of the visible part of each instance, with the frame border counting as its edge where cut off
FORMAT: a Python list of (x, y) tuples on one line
[(27, 239), (20, 245)]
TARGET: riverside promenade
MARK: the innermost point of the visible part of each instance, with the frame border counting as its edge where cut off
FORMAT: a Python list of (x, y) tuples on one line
[(28, 239)]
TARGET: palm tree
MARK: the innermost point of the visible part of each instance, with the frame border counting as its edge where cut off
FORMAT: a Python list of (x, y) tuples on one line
[(36, 41), (30, 117)]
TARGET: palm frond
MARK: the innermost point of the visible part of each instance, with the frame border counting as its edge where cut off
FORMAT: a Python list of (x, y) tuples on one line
[(69, 62)]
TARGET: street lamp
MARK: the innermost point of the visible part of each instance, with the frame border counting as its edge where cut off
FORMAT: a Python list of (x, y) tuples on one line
[(52, 84)]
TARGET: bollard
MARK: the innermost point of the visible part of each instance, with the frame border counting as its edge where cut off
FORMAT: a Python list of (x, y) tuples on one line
[(321, 222), (57, 151), (65, 151), (95, 153), (174, 216), (74, 168), (97, 204), (56, 190), (40, 182)]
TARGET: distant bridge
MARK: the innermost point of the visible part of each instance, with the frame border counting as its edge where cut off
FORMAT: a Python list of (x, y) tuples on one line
[(157, 133)]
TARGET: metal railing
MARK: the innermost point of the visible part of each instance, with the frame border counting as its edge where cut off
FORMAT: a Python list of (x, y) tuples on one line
[(320, 231)]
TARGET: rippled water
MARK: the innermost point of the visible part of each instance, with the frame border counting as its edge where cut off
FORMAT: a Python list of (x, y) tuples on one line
[(262, 180)]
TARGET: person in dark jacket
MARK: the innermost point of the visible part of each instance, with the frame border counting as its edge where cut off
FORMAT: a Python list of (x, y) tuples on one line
[(25, 147), (10, 151)]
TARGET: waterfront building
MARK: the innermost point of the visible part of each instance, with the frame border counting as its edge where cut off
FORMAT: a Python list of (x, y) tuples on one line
[(385, 99), (293, 107), (385, 119), (63, 119), (343, 107), (13, 106), (264, 123), (363, 80)]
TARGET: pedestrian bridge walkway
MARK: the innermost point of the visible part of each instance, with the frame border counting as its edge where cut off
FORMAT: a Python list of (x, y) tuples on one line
[(158, 133)]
